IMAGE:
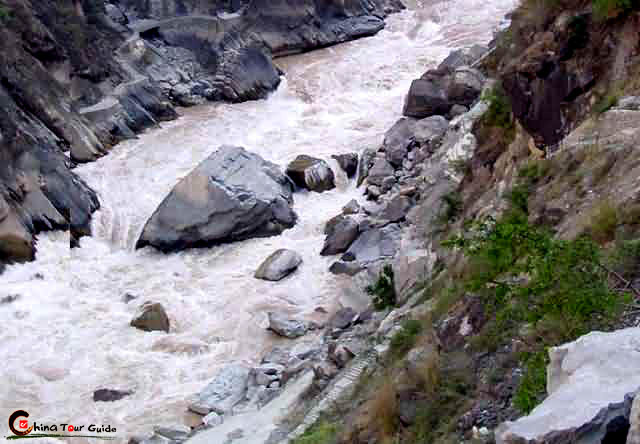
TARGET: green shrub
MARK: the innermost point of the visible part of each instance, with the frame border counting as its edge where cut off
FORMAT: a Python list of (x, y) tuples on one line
[(406, 337), (625, 259), (319, 433), (383, 292), (499, 112), (534, 382)]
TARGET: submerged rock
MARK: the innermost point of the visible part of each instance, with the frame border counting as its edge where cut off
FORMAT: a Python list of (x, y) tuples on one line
[(151, 316), (110, 395), (279, 265), (591, 383), (233, 195), (311, 173)]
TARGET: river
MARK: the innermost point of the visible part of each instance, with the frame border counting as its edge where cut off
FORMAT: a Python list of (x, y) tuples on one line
[(68, 334)]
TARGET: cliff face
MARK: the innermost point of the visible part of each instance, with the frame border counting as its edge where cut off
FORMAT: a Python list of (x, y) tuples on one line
[(78, 76)]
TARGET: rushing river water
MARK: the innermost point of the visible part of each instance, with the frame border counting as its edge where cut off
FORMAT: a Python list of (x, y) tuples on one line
[(68, 334)]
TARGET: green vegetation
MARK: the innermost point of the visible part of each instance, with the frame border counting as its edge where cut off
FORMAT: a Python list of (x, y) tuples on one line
[(534, 381), (383, 292), (406, 337), (559, 288), (606, 103), (320, 433), (604, 221), (499, 112), (604, 9), (5, 14)]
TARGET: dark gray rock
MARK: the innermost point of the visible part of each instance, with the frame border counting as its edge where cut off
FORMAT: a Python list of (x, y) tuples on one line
[(348, 163), (110, 395), (465, 85), (396, 209), (282, 325), (232, 195), (311, 173), (376, 244), (277, 355), (463, 57), (332, 223), (151, 316), (341, 237), (352, 207), (343, 318), (348, 268), (279, 265), (365, 163), (380, 170), (426, 97)]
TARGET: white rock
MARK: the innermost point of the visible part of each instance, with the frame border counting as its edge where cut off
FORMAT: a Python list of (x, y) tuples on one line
[(590, 381)]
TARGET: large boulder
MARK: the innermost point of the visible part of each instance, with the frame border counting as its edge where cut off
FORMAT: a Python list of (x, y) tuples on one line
[(284, 326), (591, 384), (232, 195), (437, 91), (340, 237), (151, 316), (226, 389), (279, 265), (311, 173), (376, 244)]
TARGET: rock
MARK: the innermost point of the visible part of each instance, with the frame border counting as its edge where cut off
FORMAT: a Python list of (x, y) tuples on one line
[(426, 98), (343, 318), (340, 355), (226, 389), (182, 95), (465, 85), (462, 57), (398, 140), (591, 383), (110, 395), (353, 207), (176, 432), (629, 103), (633, 437), (457, 110), (283, 326), (366, 162), (128, 297), (348, 268), (325, 370), (279, 265), (348, 163), (341, 237), (9, 299), (151, 316), (332, 223), (311, 173), (213, 419), (380, 170), (232, 195), (373, 192), (396, 209), (277, 355), (376, 244)]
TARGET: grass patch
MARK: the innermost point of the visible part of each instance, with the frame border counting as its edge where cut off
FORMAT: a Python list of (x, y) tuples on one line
[(604, 221), (406, 337), (319, 433), (382, 292), (605, 104), (606, 9)]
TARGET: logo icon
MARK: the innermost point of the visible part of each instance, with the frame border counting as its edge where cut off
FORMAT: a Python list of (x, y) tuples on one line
[(24, 424)]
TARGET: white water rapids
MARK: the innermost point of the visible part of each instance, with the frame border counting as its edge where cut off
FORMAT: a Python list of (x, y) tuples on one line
[(68, 334)]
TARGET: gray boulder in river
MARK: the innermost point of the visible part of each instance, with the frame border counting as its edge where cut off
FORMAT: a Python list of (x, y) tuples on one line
[(279, 265), (232, 195)]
